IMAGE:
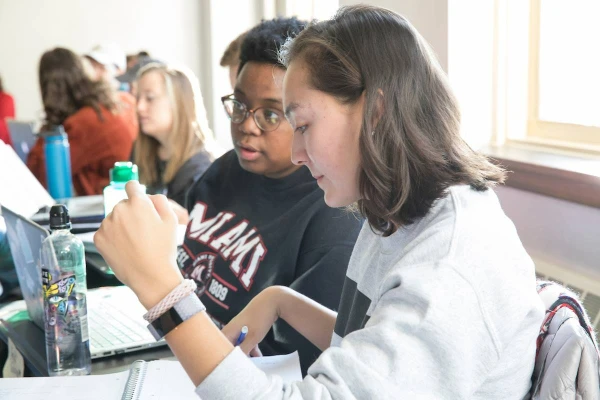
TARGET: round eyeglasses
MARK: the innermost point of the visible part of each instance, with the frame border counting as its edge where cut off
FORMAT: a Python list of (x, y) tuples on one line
[(267, 119)]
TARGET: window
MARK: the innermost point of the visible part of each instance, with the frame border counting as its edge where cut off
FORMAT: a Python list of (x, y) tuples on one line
[(564, 71), (527, 71), (547, 73)]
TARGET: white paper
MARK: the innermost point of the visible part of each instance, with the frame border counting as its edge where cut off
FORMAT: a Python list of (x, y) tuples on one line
[(93, 387), (168, 380), (163, 380), (20, 191), (287, 366)]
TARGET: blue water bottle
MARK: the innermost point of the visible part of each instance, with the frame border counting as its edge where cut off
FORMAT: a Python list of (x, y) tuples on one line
[(58, 163)]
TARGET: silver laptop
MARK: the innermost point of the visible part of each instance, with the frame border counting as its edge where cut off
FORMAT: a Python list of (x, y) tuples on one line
[(114, 313), (22, 136)]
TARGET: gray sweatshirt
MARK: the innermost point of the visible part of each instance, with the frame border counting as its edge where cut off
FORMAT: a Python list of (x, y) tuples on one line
[(445, 308)]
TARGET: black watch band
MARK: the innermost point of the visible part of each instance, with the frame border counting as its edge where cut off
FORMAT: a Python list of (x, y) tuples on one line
[(169, 320)]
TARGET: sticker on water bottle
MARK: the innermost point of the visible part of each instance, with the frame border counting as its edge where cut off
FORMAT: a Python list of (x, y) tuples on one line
[(59, 296)]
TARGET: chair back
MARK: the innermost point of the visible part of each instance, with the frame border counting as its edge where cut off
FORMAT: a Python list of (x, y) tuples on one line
[(567, 364)]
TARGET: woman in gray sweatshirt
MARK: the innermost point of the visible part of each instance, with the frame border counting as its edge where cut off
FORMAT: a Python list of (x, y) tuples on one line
[(439, 299)]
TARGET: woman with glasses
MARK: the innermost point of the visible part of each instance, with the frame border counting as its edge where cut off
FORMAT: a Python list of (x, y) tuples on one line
[(256, 219), (171, 150)]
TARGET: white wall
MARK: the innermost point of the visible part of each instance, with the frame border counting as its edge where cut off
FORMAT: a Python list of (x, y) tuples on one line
[(169, 30), (221, 22), (556, 231), (472, 79), (430, 17), (190, 32)]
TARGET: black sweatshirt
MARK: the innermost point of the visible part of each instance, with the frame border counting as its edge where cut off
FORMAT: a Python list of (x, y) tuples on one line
[(248, 232), (187, 174)]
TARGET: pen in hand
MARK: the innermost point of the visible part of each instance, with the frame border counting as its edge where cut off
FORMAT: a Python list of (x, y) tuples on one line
[(242, 336)]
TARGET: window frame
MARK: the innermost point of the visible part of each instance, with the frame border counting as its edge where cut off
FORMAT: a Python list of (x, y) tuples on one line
[(554, 134)]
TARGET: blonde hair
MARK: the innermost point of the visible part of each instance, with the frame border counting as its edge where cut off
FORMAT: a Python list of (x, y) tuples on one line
[(190, 132)]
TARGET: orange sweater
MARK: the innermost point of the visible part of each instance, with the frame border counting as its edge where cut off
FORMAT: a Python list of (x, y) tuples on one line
[(95, 145)]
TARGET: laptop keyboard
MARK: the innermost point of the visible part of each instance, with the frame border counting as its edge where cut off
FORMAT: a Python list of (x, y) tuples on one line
[(110, 327)]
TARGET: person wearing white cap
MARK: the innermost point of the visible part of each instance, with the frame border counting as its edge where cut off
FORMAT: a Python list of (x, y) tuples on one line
[(108, 61)]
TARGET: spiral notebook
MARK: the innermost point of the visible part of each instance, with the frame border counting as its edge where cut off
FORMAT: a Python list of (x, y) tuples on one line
[(145, 380)]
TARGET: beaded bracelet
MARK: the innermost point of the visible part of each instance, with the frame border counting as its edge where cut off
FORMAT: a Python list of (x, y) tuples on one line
[(182, 290)]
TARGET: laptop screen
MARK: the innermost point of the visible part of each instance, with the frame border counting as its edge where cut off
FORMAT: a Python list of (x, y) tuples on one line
[(22, 136), (25, 242), (19, 189)]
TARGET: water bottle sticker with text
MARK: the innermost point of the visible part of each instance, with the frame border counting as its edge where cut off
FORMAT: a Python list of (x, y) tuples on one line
[(60, 296)]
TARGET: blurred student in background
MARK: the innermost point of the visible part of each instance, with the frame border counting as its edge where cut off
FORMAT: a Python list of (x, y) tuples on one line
[(108, 61), (173, 148), (100, 125), (135, 62), (133, 59), (7, 111), (231, 58)]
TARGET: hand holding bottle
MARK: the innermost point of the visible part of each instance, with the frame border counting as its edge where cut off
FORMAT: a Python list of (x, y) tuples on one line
[(138, 240)]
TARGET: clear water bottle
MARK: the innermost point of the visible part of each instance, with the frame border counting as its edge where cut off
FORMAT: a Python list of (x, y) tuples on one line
[(120, 174), (58, 163), (65, 307)]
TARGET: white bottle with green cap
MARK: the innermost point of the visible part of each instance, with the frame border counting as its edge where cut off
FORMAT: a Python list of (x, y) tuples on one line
[(120, 174)]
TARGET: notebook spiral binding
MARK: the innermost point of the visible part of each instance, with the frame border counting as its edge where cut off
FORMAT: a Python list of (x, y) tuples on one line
[(135, 380)]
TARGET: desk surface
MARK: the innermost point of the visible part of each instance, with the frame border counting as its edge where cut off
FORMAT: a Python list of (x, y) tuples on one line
[(29, 340)]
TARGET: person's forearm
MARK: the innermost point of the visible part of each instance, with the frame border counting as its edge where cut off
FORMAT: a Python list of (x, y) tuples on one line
[(199, 346), (197, 343), (314, 321)]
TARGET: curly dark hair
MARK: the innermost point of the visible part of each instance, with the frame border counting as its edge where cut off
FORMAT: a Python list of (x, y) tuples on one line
[(66, 88), (262, 42)]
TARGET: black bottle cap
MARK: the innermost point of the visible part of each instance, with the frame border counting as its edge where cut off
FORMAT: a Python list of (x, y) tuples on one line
[(59, 217)]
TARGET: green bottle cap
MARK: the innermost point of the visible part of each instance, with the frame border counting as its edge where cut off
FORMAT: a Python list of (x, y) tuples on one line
[(124, 171)]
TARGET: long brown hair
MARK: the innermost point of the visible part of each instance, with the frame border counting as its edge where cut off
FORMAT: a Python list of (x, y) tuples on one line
[(410, 145), (66, 88), (190, 132)]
